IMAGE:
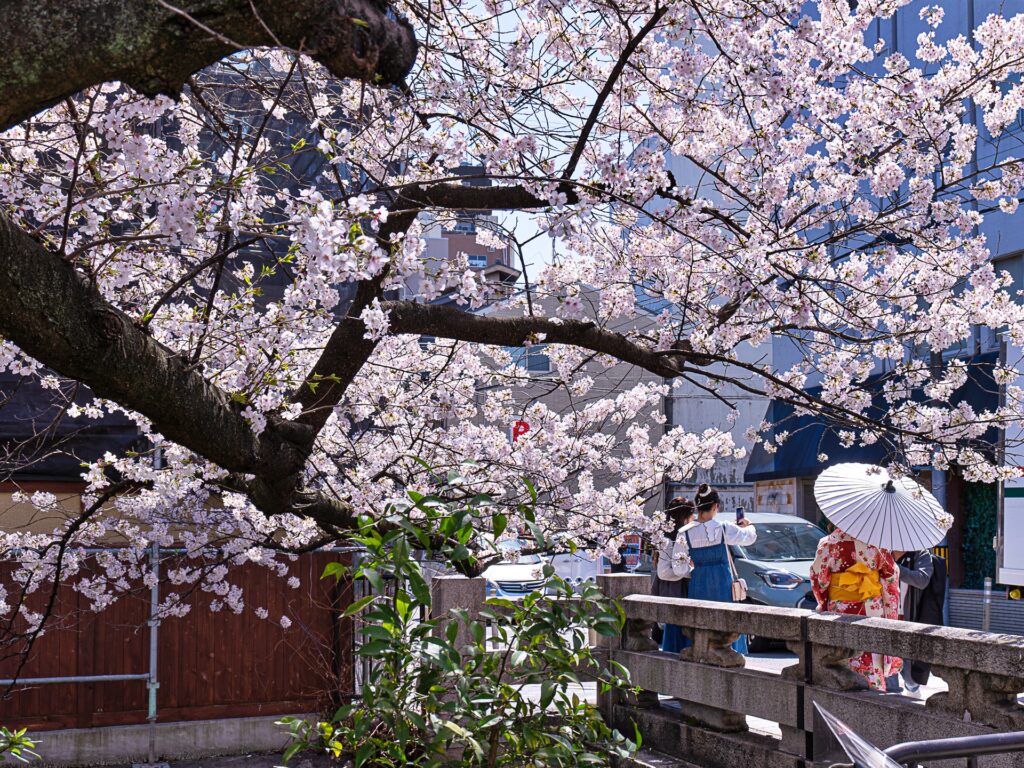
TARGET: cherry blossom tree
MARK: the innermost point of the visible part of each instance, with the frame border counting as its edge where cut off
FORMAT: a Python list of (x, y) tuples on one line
[(210, 208)]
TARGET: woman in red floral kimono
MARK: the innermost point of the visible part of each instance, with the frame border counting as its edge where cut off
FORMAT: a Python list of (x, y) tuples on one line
[(849, 576)]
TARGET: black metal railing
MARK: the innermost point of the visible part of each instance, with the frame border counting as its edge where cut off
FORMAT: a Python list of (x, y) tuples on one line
[(971, 747)]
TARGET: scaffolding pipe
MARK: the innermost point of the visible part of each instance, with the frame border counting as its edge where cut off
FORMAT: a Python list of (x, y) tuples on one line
[(73, 679), (154, 623)]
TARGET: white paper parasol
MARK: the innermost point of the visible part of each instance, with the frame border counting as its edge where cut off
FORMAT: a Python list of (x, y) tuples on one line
[(894, 513)]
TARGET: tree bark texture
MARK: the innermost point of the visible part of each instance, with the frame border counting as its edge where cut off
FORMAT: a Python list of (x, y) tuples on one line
[(50, 311), (54, 48)]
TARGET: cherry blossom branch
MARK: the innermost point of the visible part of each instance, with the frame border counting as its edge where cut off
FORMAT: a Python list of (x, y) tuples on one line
[(448, 322), (61, 546), (613, 76)]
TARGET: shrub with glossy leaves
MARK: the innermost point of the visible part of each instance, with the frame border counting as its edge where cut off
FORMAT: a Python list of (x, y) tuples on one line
[(452, 689)]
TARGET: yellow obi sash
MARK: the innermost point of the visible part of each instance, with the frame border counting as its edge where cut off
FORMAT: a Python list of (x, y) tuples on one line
[(856, 584)]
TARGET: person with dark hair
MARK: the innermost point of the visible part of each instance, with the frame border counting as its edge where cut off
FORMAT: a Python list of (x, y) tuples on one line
[(671, 573), (923, 593), (706, 543)]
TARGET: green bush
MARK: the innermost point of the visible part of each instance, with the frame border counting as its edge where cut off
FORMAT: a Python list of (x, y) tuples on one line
[(980, 525), (448, 690)]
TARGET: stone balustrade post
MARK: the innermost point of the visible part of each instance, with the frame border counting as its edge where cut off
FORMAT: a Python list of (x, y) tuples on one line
[(980, 698), (636, 636), (714, 649), (448, 593)]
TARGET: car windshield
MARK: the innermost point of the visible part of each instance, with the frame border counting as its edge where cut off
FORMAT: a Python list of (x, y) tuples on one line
[(511, 545), (785, 541)]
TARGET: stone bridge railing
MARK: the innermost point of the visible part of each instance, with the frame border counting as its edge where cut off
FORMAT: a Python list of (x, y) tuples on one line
[(716, 691)]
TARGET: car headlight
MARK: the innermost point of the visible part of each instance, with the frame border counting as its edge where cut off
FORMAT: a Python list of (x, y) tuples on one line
[(781, 579)]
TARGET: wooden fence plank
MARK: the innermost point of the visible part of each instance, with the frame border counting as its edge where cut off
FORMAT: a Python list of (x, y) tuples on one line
[(210, 664)]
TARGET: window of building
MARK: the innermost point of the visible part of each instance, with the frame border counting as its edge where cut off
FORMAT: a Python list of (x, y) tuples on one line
[(535, 360), (476, 261), (988, 339)]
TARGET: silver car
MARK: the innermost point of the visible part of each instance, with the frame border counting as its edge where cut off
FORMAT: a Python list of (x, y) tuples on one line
[(777, 566)]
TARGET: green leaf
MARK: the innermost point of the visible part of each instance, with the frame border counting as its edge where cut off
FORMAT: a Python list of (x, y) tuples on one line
[(362, 753), (531, 488), (335, 569), (476, 630), (423, 464), (537, 533), (358, 605), (455, 728), (420, 588), (291, 751), (373, 576), (376, 631), (374, 648), (500, 524), (547, 693), (403, 605), (344, 712), (489, 722)]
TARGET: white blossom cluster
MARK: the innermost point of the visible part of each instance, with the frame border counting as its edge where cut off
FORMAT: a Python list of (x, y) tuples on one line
[(837, 211)]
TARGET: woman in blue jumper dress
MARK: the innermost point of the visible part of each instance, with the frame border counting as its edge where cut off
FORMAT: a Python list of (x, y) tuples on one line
[(704, 543), (670, 575)]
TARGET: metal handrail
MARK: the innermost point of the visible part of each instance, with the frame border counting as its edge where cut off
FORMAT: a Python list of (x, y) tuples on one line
[(970, 747)]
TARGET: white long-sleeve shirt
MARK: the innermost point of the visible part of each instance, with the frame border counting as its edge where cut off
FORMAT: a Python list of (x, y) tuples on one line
[(673, 566), (710, 534)]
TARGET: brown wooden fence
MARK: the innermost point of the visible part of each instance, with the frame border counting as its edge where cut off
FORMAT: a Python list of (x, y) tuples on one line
[(210, 664)]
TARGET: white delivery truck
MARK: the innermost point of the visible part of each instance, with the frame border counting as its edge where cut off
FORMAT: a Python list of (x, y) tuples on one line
[(1010, 541), (1010, 538)]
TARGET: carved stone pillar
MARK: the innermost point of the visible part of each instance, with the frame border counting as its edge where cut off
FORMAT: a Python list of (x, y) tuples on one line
[(636, 636), (980, 697), (448, 593), (714, 649), (830, 668)]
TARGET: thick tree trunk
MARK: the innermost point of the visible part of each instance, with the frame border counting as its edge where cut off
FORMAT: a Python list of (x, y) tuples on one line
[(48, 310), (55, 48)]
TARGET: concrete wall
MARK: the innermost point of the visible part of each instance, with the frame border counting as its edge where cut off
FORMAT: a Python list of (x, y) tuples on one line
[(696, 410), (130, 743)]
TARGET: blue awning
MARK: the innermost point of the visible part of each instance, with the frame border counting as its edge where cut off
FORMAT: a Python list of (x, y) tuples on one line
[(811, 435)]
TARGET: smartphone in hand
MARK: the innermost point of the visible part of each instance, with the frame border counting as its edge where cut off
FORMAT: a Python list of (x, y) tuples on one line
[(739, 514)]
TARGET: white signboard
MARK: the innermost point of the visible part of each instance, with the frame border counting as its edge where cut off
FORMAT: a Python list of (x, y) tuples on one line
[(1010, 547)]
